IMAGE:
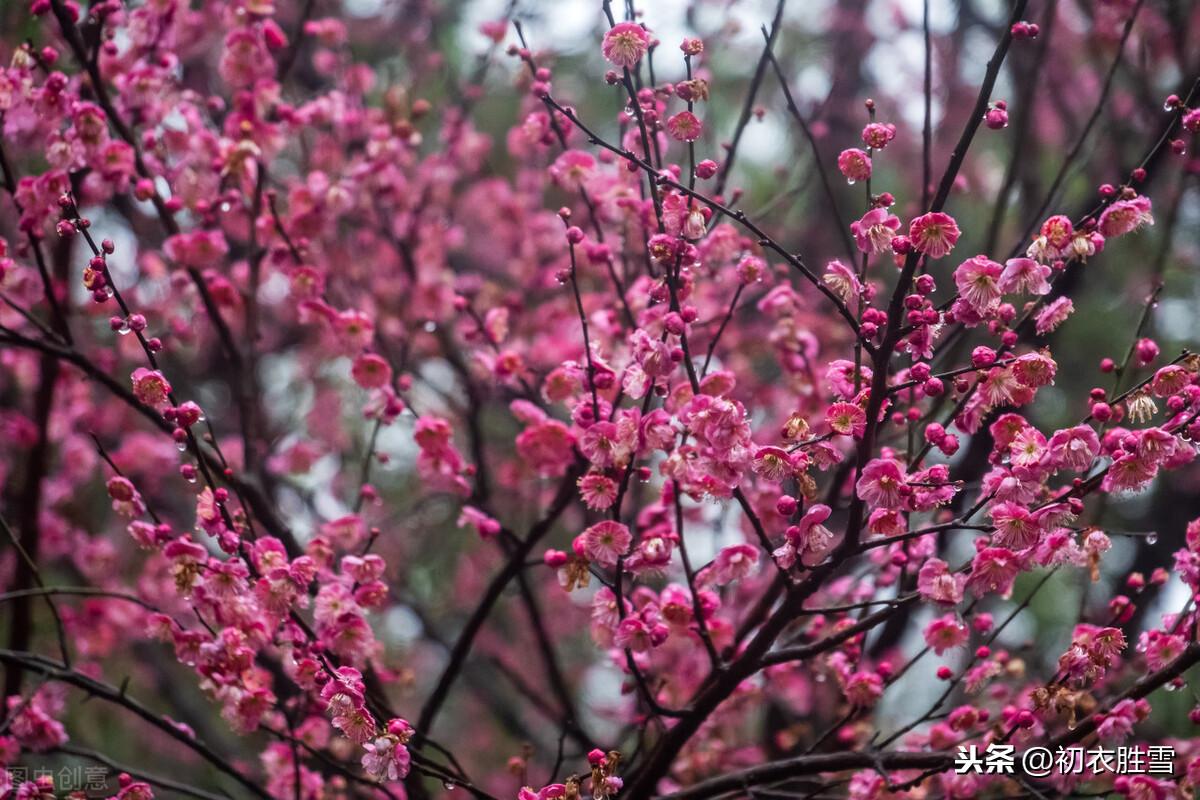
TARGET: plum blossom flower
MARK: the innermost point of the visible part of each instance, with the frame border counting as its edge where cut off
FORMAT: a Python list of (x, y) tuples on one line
[(1016, 527), (1024, 275), (994, 569), (1073, 449), (840, 376), (883, 483), (243, 57), (546, 446), (732, 563), (854, 164), (1125, 216), (863, 689), (554, 791), (774, 463), (625, 44), (945, 633), (652, 555), (344, 696), (484, 525), (200, 249), (598, 490), (126, 500), (874, 231), (887, 522), (371, 371), (1027, 448), (933, 234), (877, 135), (1161, 648), (1000, 386), (1054, 314), (1057, 232), (847, 419), (750, 269), (387, 756), (354, 329), (603, 445), (1128, 472), (808, 541), (439, 463), (1107, 644), (938, 584), (605, 542), (978, 281), (866, 785), (685, 127), (1034, 370), (33, 724), (151, 388), (572, 169), (641, 632), (842, 281), (1170, 379), (1117, 725)]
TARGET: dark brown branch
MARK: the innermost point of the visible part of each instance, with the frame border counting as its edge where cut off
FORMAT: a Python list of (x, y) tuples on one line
[(170, 225), (799, 766), (28, 541), (801, 652), (818, 161), (927, 124), (1073, 153), (1022, 124), (1186, 660), (760, 71), (515, 563), (117, 696), (153, 780), (288, 60), (258, 503), (49, 290), (738, 216), (722, 685), (892, 333)]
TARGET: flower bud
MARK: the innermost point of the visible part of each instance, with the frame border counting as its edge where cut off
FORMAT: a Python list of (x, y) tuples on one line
[(983, 357), (1147, 351)]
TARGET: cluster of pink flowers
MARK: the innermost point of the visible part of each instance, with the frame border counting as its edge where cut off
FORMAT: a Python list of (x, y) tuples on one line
[(390, 418)]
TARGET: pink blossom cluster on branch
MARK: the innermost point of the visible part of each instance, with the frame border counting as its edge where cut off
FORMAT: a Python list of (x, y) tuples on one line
[(358, 444)]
